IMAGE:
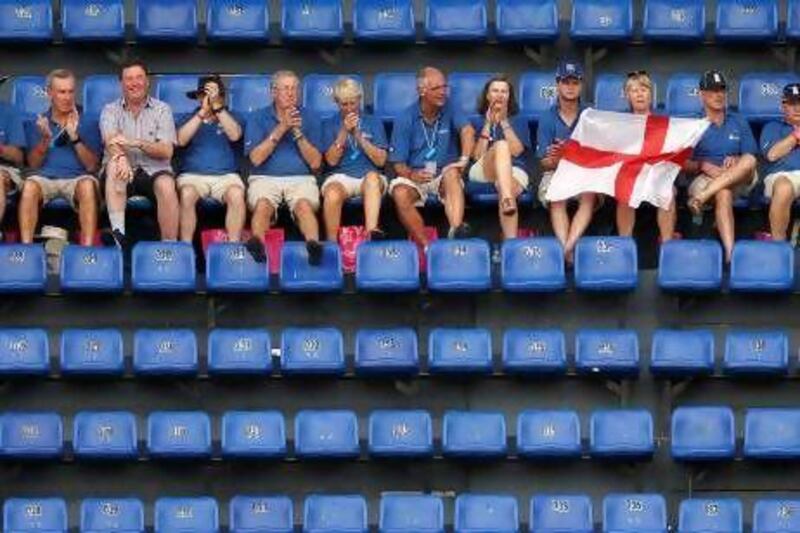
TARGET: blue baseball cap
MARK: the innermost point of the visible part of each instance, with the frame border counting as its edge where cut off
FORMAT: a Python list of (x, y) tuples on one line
[(568, 68), (791, 93)]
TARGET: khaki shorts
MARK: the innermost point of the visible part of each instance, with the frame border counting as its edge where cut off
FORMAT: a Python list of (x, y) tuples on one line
[(62, 188), (352, 186), (793, 176), (277, 190), (13, 173), (476, 174), (702, 181), (431, 188), (210, 186)]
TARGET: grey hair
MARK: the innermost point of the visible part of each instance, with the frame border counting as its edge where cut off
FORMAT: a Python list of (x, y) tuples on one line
[(276, 77), (58, 74)]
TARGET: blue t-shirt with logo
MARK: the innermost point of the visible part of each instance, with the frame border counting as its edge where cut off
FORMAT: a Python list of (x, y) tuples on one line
[(61, 160), (771, 134), (731, 138), (415, 141), (354, 163), (552, 127), (12, 130), (210, 151), (285, 160), (520, 126)]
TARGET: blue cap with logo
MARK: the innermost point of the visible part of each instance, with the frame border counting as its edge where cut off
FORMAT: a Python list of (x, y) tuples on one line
[(792, 92), (568, 68)]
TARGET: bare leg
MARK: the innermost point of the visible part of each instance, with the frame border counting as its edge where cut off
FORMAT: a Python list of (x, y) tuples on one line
[(509, 223), (188, 219), (666, 219), (580, 222), (29, 204), (116, 197), (86, 196), (560, 221), (780, 208), (452, 190), (333, 200), (261, 218), (5, 185), (626, 219), (306, 220), (168, 207), (371, 190), (235, 213), (740, 172), (404, 199), (724, 217)]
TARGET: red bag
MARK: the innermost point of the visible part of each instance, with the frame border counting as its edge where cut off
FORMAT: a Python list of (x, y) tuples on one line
[(526, 233), (349, 238), (11, 236), (273, 243), (432, 235), (95, 242)]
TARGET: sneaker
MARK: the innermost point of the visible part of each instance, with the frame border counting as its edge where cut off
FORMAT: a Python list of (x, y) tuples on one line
[(464, 231), (378, 235), (114, 238), (314, 249), (255, 247)]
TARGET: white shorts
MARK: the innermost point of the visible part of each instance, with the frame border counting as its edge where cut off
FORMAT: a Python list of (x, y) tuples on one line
[(209, 186), (476, 174), (13, 173), (544, 184), (431, 188), (702, 181), (352, 186), (63, 188), (277, 190), (793, 176)]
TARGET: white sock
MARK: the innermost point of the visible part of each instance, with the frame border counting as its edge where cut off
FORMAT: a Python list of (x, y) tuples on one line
[(117, 219)]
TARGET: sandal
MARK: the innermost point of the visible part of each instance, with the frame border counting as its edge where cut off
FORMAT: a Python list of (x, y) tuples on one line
[(695, 205), (508, 206)]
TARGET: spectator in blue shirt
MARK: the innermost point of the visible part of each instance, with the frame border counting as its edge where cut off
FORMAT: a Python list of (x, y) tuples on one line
[(425, 154), (500, 149), (63, 159), (12, 143), (282, 143), (356, 149), (724, 161)]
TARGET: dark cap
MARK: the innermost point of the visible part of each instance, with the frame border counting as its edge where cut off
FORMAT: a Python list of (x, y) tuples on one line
[(568, 68), (791, 92), (712, 80), (201, 86)]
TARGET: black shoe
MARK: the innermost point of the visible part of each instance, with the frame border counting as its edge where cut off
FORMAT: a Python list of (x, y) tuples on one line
[(114, 238), (255, 246), (314, 249), (464, 231), (378, 235)]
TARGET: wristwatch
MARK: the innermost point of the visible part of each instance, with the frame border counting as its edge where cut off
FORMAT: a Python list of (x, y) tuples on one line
[(77, 140), (219, 109)]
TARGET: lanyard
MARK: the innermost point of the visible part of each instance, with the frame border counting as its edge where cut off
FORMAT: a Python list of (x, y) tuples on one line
[(430, 140), (355, 150)]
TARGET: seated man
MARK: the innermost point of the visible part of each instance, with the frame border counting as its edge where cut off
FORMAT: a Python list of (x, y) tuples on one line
[(356, 148), (63, 160), (281, 142), (12, 142)]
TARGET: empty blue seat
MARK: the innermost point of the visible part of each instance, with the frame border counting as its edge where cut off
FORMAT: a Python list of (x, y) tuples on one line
[(387, 266), (532, 265), (24, 351), (26, 22), (179, 434), (173, 21), (395, 433), (683, 95), (383, 20), (29, 94), (387, 351), (99, 90), (473, 434), (762, 266), (609, 93), (634, 513), (601, 20), (329, 434), (172, 89), (112, 514), (241, 22), (312, 20), (299, 276), (91, 269), (31, 435), (465, 90), (318, 93), (35, 514), (548, 434), (486, 512), (772, 433), (606, 264), (165, 352), (198, 515), (621, 433), (793, 20), (393, 94), (411, 513), (459, 265), (163, 267), (312, 351), (756, 352), (537, 93), (481, 194), (105, 435), (253, 434), (249, 92), (674, 20), (773, 516), (527, 20), (231, 268), (22, 268), (703, 433), (690, 265), (239, 351), (682, 352), (456, 20), (738, 20), (249, 514), (707, 515), (91, 21), (556, 513), (760, 94), (612, 352), (460, 351), (534, 351), (92, 352), (335, 513)]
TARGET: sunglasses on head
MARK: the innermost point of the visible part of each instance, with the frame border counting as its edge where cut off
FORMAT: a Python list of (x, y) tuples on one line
[(637, 73)]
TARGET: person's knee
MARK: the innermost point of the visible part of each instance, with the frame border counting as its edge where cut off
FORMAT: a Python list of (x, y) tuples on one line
[(452, 183), (724, 198), (372, 181), (404, 196), (85, 191), (188, 196), (782, 190), (501, 148), (587, 200), (31, 192), (165, 187), (303, 209), (234, 197), (334, 196)]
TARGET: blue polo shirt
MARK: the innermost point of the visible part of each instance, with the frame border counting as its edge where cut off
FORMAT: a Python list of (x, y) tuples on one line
[(520, 126), (210, 151), (354, 163), (732, 137), (414, 141), (551, 127), (12, 131), (61, 161), (772, 133), (285, 160)]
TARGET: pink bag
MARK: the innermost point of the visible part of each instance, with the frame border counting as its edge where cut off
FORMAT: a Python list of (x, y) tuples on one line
[(273, 242), (526, 233), (11, 236), (349, 238), (96, 242), (432, 235)]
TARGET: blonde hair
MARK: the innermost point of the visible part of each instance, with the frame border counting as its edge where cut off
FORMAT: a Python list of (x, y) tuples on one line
[(347, 88), (642, 78)]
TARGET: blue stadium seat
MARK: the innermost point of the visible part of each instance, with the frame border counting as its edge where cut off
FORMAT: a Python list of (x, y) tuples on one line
[(683, 95), (112, 514), (485, 195), (163, 267), (537, 93), (606, 264), (613, 352), (674, 20), (298, 276), (601, 20), (465, 90), (387, 351), (312, 351), (165, 352), (26, 22), (556, 513), (179, 434), (609, 93), (395, 433), (486, 512), (756, 352), (239, 351), (384, 21), (393, 94), (474, 434), (793, 20), (460, 351), (105, 435), (634, 513), (35, 514), (249, 514), (411, 513), (22, 268), (326, 434), (703, 434), (679, 353), (760, 94), (456, 20), (690, 265), (762, 266), (231, 268), (91, 269), (532, 265), (710, 516), (459, 265), (173, 21), (99, 90), (387, 266), (31, 435), (534, 351), (772, 516), (772, 434), (335, 514), (92, 352), (747, 21), (29, 94), (172, 88), (91, 21), (249, 92), (548, 433), (241, 22), (253, 434), (318, 93), (24, 351), (312, 21), (198, 515), (621, 434), (527, 20)]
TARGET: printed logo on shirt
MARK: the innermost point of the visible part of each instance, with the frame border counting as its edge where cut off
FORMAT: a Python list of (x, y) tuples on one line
[(444, 131), (734, 136)]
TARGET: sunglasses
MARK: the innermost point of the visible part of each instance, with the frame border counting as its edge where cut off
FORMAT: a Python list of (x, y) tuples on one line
[(637, 73)]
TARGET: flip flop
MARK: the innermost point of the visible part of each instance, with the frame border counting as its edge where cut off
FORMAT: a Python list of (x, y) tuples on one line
[(509, 206)]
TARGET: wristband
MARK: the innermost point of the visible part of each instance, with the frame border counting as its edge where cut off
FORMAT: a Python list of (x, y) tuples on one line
[(298, 137)]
